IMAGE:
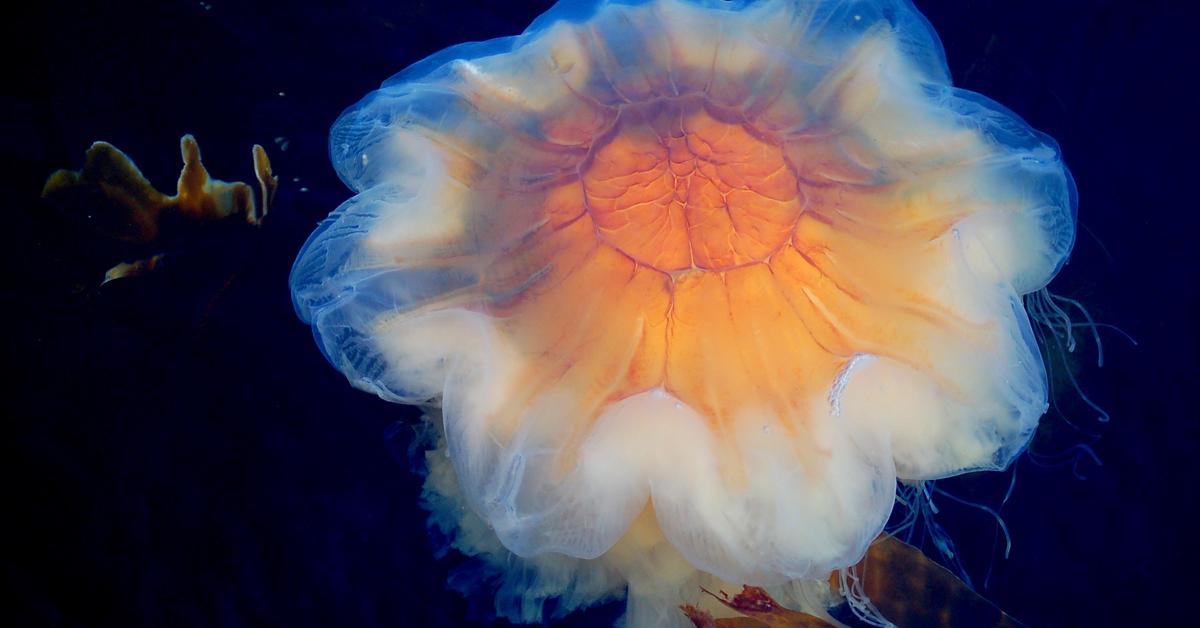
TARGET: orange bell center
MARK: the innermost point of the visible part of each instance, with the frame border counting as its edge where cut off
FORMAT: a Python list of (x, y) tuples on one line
[(677, 184)]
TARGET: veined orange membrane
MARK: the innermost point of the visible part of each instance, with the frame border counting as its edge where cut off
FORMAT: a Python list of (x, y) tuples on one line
[(691, 279), (675, 187)]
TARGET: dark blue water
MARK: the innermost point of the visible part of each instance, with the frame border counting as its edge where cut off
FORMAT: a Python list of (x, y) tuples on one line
[(178, 453)]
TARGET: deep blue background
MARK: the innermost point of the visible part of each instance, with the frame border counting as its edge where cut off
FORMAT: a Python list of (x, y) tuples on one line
[(177, 452)]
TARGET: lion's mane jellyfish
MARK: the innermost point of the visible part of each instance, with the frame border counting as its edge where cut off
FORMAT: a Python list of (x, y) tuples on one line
[(686, 286)]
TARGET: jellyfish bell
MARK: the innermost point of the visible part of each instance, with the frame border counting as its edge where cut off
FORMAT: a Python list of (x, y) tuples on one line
[(686, 286)]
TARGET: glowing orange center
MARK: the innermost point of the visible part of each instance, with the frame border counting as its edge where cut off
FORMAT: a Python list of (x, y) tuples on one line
[(684, 257), (677, 185)]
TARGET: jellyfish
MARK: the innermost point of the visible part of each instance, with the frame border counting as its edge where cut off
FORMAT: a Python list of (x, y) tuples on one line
[(686, 287)]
